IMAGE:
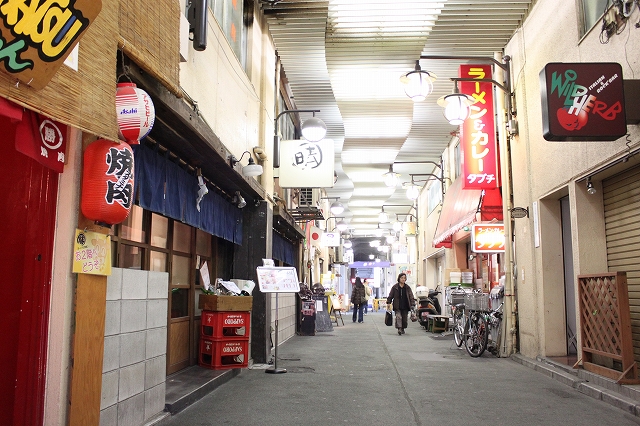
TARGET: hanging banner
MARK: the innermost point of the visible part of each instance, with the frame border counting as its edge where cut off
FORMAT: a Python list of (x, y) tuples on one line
[(42, 139), (477, 133), (36, 38), (305, 164), (92, 253), (582, 102)]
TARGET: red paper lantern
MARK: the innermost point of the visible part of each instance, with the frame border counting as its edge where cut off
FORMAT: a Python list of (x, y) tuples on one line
[(135, 111), (107, 182)]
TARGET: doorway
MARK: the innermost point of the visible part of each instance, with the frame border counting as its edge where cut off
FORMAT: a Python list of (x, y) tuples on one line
[(569, 281)]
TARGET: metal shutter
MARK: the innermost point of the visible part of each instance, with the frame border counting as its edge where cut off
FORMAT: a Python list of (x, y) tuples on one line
[(621, 195)]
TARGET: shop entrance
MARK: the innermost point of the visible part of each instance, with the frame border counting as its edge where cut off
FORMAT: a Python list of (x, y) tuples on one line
[(28, 206)]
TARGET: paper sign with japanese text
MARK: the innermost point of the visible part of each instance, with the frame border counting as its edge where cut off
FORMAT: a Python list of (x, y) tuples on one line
[(278, 279), (92, 253), (477, 133), (37, 36), (487, 237), (305, 164)]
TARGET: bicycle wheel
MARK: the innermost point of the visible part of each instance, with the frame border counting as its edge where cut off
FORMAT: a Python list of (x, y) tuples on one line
[(476, 341), (458, 327)]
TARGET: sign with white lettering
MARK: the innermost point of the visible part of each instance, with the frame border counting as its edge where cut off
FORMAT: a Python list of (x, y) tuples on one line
[(487, 238), (37, 36), (582, 102)]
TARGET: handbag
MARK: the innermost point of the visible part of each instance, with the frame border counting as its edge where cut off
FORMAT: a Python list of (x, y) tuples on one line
[(414, 317), (388, 318), (364, 300)]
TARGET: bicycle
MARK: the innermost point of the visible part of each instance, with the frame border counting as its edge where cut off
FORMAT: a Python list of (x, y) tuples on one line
[(476, 333), (494, 321)]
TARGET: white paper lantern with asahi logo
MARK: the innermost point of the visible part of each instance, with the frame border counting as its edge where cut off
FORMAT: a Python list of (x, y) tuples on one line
[(135, 111)]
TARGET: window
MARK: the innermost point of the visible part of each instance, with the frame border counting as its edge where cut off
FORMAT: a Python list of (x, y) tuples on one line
[(592, 11), (229, 14)]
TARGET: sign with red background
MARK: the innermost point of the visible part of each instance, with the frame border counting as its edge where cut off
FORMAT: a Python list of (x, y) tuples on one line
[(477, 133), (487, 237), (582, 102)]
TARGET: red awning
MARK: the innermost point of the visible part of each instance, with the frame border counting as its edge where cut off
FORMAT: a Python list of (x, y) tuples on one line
[(460, 208)]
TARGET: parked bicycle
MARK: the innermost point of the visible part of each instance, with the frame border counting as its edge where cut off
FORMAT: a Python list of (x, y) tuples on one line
[(477, 327)]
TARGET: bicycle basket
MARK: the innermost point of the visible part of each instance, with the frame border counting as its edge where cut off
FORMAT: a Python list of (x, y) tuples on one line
[(477, 301), (457, 298)]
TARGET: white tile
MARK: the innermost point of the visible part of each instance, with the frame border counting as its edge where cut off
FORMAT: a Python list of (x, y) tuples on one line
[(133, 315), (134, 284), (157, 313), (154, 401), (156, 342), (109, 396), (112, 318), (131, 411), (131, 382), (111, 358), (109, 416), (158, 285), (114, 284), (132, 348), (155, 372)]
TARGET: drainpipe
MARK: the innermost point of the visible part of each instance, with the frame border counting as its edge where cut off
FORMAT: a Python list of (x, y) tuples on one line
[(509, 322)]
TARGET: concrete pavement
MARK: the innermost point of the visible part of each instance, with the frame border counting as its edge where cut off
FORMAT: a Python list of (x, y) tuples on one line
[(363, 374)]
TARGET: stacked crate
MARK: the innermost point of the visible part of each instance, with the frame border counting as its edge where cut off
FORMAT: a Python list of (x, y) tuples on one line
[(224, 334)]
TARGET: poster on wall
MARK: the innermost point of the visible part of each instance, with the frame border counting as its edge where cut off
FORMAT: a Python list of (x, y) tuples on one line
[(36, 39), (92, 253)]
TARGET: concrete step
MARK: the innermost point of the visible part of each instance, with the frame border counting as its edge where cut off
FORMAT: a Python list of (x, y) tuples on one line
[(625, 397)]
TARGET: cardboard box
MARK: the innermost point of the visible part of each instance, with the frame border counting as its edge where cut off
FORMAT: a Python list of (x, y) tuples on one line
[(209, 302)]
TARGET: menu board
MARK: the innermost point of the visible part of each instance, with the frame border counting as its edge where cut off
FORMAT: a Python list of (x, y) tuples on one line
[(278, 279)]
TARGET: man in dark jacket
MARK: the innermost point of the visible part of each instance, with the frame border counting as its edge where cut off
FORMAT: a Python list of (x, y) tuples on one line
[(358, 297), (402, 298)]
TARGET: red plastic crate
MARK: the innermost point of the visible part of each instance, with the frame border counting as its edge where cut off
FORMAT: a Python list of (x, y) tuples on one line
[(225, 324), (225, 353)]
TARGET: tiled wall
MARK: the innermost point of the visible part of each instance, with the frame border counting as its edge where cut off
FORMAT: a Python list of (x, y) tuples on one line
[(286, 315), (134, 365)]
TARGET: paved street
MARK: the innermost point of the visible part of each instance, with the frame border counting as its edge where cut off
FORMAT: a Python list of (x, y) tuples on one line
[(365, 374)]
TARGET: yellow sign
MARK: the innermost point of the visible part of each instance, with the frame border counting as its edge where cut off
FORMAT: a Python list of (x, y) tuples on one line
[(37, 36), (92, 253)]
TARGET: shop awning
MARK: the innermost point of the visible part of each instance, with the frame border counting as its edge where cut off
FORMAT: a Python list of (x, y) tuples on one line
[(460, 208)]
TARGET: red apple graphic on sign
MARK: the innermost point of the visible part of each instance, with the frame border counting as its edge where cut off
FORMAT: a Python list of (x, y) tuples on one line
[(572, 121)]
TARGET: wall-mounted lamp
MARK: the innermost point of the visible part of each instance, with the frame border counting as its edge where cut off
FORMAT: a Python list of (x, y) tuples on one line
[(347, 244), (471, 257), (336, 207), (413, 191), (341, 225), (418, 83), (456, 106), (391, 177), (378, 231), (251, 169), (238, 200), (590, 189), (313, 130)]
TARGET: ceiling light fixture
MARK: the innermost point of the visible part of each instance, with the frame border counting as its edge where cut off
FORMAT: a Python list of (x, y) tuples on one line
[(336, 207), (342, 225), (418, 83), (378, 231), (251, 169), (347, 244), (413, 191), (456, 106), (590, 189), (391, 177), (383, 217), (312, 129)]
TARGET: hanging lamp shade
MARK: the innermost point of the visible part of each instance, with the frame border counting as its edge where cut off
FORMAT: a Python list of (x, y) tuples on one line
[(314, 129), (456, 107), (336, 207), (135, 113), (107, 182), (418, 83)]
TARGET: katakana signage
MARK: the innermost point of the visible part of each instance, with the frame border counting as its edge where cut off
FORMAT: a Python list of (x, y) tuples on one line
[(487, 237), (477, 133)]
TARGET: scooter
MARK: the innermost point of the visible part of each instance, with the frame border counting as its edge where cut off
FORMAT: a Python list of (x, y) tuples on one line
[(428, 304)]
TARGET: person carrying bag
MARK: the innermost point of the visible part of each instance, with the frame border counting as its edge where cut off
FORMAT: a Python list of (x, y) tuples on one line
[(402, 300), (359, 299)]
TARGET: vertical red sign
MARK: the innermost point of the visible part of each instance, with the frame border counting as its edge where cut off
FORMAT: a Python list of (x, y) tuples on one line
[(477, 133)]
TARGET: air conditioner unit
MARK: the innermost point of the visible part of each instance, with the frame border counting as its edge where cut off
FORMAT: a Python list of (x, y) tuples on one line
[(309, 197)]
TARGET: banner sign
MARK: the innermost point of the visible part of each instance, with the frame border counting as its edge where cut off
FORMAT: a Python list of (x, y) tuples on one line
[(305, 164), (37, 36), (582, 102), (42, 139), (477, 133), (92, 253), (487, 237)]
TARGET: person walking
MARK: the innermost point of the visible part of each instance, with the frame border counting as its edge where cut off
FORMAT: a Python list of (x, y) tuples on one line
[(358, 298), (402, 300), (367, 292)]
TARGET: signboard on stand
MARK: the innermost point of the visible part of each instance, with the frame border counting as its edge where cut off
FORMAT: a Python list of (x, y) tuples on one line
[(278, 279)]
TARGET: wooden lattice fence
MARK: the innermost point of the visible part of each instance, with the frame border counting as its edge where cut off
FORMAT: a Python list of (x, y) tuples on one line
[(605, 327)]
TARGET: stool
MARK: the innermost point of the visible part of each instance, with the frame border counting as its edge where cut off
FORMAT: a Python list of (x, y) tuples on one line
[(438, 323)]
